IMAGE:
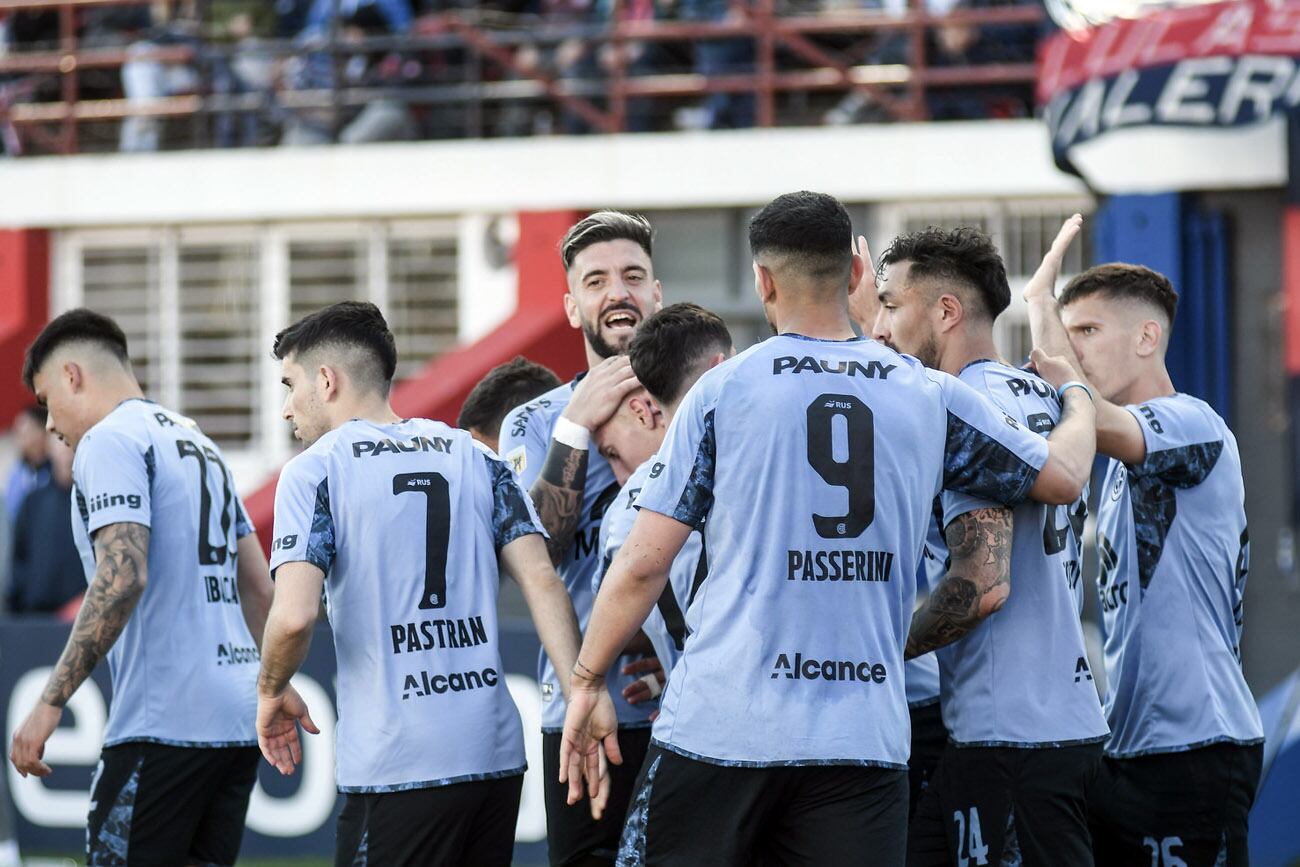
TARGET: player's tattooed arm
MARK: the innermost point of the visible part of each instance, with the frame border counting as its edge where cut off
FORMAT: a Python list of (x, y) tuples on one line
[(121, 572), (557, 494), (978, 581)]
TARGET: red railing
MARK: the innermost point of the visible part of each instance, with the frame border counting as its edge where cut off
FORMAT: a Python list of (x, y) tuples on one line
[(793, 53)]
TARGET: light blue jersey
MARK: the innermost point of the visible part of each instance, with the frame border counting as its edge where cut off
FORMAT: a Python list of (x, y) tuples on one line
[(1020, 678), (922, 673), (1173, 552), (525, 440), (813, 465), (666, 624), (184, 669), (406, 520)]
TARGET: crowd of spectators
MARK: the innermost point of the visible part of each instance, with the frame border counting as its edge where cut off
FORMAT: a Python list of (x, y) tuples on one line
[(41, 572), (273, 66)]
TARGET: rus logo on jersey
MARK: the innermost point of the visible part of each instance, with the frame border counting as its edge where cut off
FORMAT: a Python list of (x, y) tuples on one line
[(828, 669)]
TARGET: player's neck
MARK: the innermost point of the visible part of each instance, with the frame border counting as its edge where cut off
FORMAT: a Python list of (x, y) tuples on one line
[(1152, 383), (821, 322), (376, 410), (112, 391), (593, 357), (962, 349)]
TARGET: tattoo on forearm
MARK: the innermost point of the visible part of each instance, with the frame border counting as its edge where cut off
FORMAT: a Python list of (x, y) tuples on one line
[(979, 544), (557, 494), (122, 559)]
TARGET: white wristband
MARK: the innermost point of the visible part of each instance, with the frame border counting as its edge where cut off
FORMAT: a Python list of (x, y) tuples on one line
[(571, 434), (1074, 383), (652, 683)]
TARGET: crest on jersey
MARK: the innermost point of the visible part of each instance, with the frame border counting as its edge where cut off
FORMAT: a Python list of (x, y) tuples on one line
[(1118, 488), (518, 459)]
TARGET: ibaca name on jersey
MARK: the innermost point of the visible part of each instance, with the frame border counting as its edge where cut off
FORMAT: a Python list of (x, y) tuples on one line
[(845, 367), (374, 448)]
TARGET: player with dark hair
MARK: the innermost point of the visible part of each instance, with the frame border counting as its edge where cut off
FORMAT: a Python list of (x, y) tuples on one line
[(406, 524), (671, 350), (177, 601), (611, 290), (505, 387), (1184, 756), (1018, 699), (787, 714)]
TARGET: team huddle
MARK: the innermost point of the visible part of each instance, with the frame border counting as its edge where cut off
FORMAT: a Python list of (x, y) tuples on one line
[(815, 603)]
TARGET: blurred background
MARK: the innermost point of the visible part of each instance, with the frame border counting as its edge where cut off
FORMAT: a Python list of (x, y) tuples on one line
[(206, 171)]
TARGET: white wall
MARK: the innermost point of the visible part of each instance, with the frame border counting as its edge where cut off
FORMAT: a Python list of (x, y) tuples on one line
[(676, 170)]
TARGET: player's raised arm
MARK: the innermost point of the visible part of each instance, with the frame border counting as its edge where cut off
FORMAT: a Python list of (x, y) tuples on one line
[(978, 582), (284, 647), (558, 491), (1118, 433), (121, 573), (1072, 444)]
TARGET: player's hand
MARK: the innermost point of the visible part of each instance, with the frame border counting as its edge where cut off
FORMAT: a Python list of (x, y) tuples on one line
[(1043, 283), (597, 397), (1053, 368), (864, 300), (590, 723), (640, 690), (29, 740), (278, 718)]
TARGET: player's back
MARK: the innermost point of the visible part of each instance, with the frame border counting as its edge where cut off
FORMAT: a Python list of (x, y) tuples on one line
[(816, 463), (1021, 677), (1174, 555), (406, 520), (185, 667)]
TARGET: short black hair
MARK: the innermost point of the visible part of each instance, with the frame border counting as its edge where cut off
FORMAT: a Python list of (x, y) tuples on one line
[(812, 230), (505, 387), (668, 346), (81, 325), (963, 256), (606, 226), (36, 413), (356, 324), (1124, 281)]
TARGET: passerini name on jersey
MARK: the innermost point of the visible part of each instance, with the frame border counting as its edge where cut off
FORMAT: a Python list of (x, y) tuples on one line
[(847, 565)]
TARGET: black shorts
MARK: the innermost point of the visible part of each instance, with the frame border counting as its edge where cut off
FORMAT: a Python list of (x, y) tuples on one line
[(152, 804), (443, 826), (929, 737), (688, 812), (1191, 806), (572, 836), (986, 805)]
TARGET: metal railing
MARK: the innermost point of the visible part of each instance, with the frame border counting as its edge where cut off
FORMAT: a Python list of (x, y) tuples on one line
[(793, 53)]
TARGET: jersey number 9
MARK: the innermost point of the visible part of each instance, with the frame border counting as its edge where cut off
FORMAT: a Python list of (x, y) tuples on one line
[(853, 468)]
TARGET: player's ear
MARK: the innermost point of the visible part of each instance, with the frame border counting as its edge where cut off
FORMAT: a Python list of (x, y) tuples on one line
[(764, 283), (858, 268), (1149, 337), (74, 376), (571, 309), (643, 409), (328, 379), (950, 311)]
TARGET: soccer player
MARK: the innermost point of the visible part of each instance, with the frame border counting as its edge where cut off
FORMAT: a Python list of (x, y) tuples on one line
[(401, 522), (505, 387), (920, 673), (612, 289), (177, 599), (1018, 699), (672, 349), (787, 714), (1183, 760)]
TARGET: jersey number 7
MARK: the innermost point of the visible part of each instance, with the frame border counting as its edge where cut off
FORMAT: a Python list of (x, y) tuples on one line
[(437, 531)]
